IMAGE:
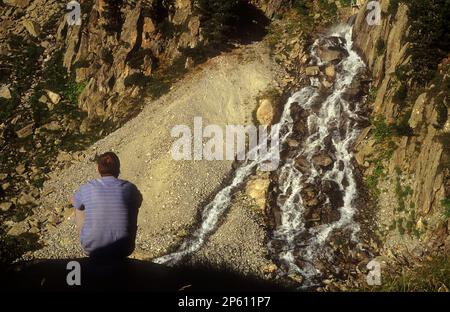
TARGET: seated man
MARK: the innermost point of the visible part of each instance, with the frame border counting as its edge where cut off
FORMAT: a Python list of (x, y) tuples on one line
[(106, 212)]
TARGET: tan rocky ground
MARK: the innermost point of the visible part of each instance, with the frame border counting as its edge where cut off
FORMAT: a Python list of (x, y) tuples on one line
[(222, 91)]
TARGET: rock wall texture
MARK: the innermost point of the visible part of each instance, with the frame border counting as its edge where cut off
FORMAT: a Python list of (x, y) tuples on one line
[(410, 172)]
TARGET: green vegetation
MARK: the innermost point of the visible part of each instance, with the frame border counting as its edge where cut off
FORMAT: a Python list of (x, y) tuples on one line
[(326, 9), (373, 94), (431, 275), (429, 36), (219, 19), (383, 131)]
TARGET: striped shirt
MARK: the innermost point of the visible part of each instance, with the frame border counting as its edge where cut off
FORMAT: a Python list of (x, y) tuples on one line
[(111, 207)]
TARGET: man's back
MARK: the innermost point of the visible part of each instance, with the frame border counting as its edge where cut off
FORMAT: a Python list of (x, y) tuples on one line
[(110, 207)]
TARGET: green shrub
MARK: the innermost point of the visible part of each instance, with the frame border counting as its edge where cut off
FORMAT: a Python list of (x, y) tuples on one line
[(429, 36), (219, 19), (382, 130)]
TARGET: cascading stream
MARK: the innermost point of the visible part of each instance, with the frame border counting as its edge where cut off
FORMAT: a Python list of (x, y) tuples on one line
[(330, 119)]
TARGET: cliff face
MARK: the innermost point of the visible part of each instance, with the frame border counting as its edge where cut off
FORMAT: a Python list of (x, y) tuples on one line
[(125, 39), (404, 155), (125, 46)]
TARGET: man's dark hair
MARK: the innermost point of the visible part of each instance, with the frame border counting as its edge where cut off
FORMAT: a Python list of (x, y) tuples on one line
[(108, 164)]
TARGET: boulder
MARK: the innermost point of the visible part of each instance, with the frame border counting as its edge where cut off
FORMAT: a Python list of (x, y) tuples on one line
[(328, 55), (322, 160), (257, 189), (330, 71), (266, 112)]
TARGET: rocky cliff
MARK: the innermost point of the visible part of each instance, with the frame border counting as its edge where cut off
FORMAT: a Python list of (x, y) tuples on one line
[(404, 154)]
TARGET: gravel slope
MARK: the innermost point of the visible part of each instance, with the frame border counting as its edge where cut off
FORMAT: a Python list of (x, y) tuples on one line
[(222, 91)]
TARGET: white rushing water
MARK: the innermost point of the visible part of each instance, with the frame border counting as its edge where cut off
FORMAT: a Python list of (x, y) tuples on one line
[(334, 118)]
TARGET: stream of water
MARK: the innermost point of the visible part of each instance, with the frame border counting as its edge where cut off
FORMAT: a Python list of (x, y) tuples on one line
[(331, 125)]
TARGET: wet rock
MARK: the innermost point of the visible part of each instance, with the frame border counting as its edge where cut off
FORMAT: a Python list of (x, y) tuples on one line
[(332, 190), (326, 84), (330, 71), (328, 55), (312, 70), (302, 165), (322, 160), (293, 143), (5, 92), (266, 112)]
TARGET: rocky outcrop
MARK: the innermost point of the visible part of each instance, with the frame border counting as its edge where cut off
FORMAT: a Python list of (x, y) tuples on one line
[(403, 154)]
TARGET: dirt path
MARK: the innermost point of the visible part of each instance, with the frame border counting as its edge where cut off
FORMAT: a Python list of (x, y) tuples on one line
[(221, 91)]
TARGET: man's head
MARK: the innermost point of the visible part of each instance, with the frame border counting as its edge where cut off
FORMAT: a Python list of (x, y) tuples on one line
[(108, 164)]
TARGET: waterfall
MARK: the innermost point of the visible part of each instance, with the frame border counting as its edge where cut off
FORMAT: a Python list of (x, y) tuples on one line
[(330, 119)]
